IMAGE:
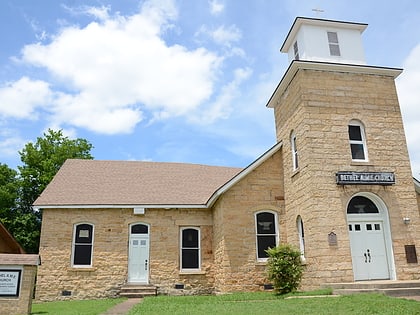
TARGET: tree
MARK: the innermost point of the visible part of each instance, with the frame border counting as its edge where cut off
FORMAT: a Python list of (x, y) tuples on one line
[(41, 161), (8, 192)]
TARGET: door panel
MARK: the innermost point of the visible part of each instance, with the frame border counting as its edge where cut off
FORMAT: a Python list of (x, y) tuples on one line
[(368, 250), (138, 261)]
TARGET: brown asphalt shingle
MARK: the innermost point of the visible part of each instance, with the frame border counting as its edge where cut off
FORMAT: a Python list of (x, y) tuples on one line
[(95, 182)]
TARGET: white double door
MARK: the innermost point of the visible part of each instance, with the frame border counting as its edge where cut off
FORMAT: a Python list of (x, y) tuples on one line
[(138, 258), (368, 250)]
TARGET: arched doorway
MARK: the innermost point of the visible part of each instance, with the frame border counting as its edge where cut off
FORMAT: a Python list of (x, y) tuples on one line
[(138, 254), (370, 238)]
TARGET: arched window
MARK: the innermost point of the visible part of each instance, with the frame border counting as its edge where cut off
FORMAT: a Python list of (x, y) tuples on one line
[(301, 233), (190, 249), (361, 205), (295, 156), (82, 245), (266, 233), (357, 140)]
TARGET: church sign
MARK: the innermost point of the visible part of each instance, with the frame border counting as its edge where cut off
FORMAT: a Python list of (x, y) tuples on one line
[(365, 178), (10, 282)]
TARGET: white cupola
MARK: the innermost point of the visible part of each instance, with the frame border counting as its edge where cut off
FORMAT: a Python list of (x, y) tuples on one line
[(325, 41)]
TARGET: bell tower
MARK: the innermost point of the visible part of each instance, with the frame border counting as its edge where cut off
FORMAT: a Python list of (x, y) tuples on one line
[(345, 158)]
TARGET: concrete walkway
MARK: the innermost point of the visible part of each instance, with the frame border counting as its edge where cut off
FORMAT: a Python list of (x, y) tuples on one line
[(124, 307)]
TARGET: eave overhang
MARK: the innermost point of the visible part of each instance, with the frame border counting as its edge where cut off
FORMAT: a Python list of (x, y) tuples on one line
[(317, 22), (297, 65)]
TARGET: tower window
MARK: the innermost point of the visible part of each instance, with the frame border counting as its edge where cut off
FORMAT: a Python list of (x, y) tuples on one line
[(296, 50), (357, 141), (294, 152), (333, 44)]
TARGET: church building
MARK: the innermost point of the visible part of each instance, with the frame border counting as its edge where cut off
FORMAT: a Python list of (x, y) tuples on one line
[(337, 185)]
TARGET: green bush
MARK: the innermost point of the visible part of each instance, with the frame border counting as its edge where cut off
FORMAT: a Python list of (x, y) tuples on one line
[(284, 268)]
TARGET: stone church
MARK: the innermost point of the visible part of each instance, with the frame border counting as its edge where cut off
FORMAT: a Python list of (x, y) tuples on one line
[(337, 185)]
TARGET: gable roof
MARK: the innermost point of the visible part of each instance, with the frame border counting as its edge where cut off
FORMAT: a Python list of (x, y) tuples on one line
[(116, 184), (95, 183), (9, 241)]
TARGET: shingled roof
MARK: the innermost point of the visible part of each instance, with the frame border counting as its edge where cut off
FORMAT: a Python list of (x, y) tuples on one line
[(124, 183)]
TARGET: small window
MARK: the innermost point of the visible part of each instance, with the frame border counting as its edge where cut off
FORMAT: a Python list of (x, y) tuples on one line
[(267, 233), (296, 50), (295, 156), (357, 141), (301, 232), (190, 249), (333, 44), (82, 245)]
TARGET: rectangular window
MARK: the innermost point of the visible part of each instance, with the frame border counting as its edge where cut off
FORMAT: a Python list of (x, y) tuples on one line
[(296, 50), (357, 142), (266, 233), (295, 158), (190, 249), (333, 44), (82, 245)]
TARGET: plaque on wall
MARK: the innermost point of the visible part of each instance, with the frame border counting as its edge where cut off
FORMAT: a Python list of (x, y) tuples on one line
[(410, 254), (332, 239), (10, 282)]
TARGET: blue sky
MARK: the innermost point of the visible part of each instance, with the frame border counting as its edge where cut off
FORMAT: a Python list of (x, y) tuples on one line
[(178, 81)]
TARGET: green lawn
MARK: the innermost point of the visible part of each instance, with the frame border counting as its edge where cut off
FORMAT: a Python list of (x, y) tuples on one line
[(267, 303), (85, 307), (264, 303)]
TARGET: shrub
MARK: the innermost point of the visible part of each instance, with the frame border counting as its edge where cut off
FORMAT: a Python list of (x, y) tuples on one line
[(284, 268)]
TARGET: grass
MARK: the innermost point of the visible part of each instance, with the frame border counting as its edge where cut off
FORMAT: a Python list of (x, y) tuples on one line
[(264, 303), (84, 307)]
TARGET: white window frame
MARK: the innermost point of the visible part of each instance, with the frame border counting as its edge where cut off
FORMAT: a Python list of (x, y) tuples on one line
[(333, 44), (74, 245), (295, 155), (301, 232), (181, 248), (362, 142), (276, 232)]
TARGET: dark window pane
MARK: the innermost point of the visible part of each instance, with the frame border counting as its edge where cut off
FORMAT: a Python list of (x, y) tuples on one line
[(190, 259), (357, 227), (265, 242), (377, 227), (357, 152), (350, 227), (332, 37), (355, 133), (369, 227), (82, 254), (360, 204), (265, 223), (190, 238), (84, 233), (139, 229)]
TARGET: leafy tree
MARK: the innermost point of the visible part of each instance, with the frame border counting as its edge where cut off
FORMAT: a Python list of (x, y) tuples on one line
[(8, 192), (41, 161), (284, 268)]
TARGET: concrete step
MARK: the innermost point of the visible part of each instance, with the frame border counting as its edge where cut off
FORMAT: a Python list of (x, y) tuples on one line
[(138, 291), (388, 287)]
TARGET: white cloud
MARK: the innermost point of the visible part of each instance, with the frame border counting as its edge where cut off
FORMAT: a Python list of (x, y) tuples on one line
[(222, 107), (221, 35), (216, 7), (409, 97), (21, 98), (120, 67), (10, 142)]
